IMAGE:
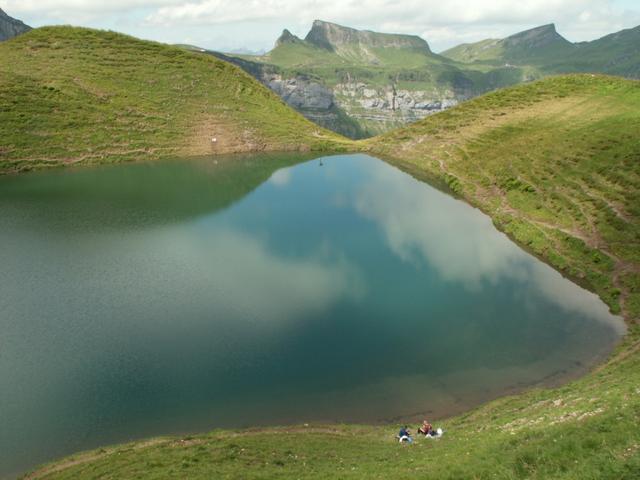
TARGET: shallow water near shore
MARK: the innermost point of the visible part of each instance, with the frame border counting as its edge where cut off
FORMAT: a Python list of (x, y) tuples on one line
[(181, 296)]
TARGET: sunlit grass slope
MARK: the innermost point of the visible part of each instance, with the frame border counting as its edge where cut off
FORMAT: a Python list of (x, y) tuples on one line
[(556, 164), (70, 95)]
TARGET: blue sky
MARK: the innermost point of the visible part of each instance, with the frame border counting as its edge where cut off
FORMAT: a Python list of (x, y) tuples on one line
[(230, 25)]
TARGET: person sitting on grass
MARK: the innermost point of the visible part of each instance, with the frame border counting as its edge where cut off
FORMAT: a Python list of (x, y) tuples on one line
[(425, 429), (405, 435)]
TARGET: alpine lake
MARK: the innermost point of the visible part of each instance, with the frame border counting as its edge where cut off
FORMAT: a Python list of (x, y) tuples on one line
[(186, 295)]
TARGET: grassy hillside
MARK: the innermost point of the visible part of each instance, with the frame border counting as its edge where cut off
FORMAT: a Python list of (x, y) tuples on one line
[(556, 163), (616, 54), (70, 95)]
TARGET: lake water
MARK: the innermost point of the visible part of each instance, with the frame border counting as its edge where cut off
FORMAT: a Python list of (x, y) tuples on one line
[(180, 296)]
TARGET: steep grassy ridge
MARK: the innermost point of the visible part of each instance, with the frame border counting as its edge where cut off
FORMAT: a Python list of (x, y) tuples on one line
[(71, 95), (557, 165)]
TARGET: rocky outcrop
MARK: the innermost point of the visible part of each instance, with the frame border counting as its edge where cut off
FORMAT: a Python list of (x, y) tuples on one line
[(300, 92), (10, 27), (347, 107), (417, 102), (382, 107)]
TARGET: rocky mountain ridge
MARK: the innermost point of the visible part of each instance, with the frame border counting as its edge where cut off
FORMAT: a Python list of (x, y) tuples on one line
[(335, 37), (11, 27)]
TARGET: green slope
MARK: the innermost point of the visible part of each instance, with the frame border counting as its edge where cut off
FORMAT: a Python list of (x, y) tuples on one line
[(70, 95), (616, 54), (556, 163)]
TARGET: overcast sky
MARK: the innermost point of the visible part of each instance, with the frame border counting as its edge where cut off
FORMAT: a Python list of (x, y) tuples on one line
[(255, 24)]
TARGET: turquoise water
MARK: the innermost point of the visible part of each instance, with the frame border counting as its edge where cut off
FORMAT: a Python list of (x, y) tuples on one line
[(174, 297)]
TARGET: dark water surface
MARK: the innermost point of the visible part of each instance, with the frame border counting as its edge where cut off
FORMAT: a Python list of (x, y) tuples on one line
[(181, 296)]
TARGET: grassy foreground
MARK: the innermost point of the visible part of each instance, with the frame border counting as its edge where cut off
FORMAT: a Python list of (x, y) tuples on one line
[(75, 95), (556, 163)]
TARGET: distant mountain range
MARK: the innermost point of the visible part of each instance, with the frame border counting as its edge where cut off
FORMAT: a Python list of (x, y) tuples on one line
[(547, 50), (360, 83), (10, 27)]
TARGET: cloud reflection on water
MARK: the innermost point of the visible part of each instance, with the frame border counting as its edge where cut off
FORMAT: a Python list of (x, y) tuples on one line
[(281, 177), (424, 226)]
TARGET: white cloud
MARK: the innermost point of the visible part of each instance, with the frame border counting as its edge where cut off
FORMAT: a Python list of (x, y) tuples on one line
[(81, 6), (410, 15)]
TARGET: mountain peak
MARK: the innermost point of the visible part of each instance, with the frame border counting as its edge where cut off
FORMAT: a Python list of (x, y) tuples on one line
[(328, 35), (536, 37), (333, 36), (10, 27), (287, 37)]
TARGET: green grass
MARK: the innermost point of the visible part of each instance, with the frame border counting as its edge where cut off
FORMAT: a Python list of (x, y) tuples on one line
[(74, 95)]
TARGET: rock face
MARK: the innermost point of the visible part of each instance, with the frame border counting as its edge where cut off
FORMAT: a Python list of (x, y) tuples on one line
[(381, 108), (366, 110), (10, 27), (300, 92)]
